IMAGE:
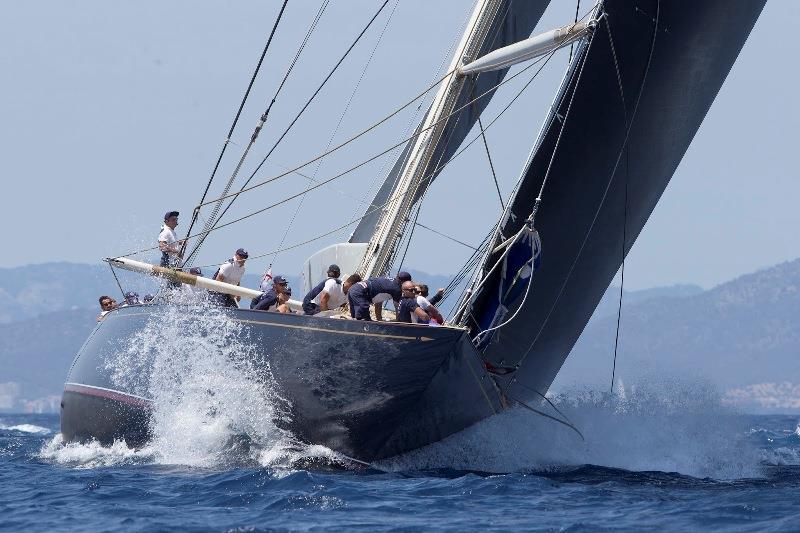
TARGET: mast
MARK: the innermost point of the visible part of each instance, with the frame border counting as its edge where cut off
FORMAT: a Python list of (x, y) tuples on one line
[(382, 246)]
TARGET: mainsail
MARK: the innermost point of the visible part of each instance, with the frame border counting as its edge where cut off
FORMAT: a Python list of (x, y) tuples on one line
[(636, 93), (495, 24)]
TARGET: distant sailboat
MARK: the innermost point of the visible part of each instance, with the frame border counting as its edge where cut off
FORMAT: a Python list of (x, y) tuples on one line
[(642, 77)]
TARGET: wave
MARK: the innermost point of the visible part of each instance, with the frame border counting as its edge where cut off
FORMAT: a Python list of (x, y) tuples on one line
[(214, 401), (91, 454), (669, 426), (25, 428)]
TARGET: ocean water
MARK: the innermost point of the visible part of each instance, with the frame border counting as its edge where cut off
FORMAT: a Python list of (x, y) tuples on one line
[(638, 467), (663, 454)]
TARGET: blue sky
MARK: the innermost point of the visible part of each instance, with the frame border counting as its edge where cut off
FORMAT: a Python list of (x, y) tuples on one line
[(114, 112)]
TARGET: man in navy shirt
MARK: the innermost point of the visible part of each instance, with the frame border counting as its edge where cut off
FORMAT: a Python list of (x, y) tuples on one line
[(374, 292), (409, 310), (268, 301)]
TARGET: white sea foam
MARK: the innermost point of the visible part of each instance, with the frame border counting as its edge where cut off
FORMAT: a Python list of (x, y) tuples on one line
[(670, 427), (26, 428), (91, 454), (214, 403)]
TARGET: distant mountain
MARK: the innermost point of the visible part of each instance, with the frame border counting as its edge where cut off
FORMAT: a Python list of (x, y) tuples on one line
[(742, 333), (36, 355), (610, 302)]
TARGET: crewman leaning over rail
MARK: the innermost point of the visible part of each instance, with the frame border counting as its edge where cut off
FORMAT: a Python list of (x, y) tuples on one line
[(374, 292)]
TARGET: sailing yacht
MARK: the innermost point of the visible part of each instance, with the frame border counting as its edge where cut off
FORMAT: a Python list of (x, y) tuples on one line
[(642, 77)]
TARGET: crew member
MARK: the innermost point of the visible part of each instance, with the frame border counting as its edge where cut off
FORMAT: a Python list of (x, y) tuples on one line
[(194, 289), (107, 304), (436, 298), (131, 298), (168, 243), (268, 300), (231, 271), (428, 305), (409, 310), (283, 302), (374, 292), (328, 294)]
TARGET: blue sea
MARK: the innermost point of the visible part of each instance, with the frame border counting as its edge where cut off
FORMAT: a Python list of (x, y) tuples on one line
[(655, 461)]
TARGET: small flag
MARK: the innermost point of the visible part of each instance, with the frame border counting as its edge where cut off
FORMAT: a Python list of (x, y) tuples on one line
[(267, 279)]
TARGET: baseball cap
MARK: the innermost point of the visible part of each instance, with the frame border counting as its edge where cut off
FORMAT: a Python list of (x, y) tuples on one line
[(279, 280), (241, 252), (196, 271), (169, 214), (403, 276)]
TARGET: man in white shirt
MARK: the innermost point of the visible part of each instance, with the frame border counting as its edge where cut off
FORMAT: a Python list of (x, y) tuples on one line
[(168, 243), (427, 305), (231, 271), (328, 294)]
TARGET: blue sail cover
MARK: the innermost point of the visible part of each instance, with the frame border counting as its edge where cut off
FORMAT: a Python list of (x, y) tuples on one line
[(637, 92), (515, 21), (516, 271)]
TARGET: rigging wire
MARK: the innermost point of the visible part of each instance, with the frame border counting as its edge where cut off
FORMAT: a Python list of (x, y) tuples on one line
[(336, 129), (416, 134), (420, 224), (608, 185), (297, 116), (113, 273), (622, 272), (491, 165), (565, 419), (235, 121), (571, 46), (264, 117), (625, 213), (430, 176), (212, 220)]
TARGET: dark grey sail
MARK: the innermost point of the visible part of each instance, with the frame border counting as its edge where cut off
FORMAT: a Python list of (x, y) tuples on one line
[(628, 110), (515, 20)]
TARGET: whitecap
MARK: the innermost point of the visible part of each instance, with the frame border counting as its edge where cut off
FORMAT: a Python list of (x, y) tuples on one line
[(91, 454), (26, 428)]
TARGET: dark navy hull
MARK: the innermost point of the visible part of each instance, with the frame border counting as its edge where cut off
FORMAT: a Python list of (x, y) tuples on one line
[(366, 390)]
